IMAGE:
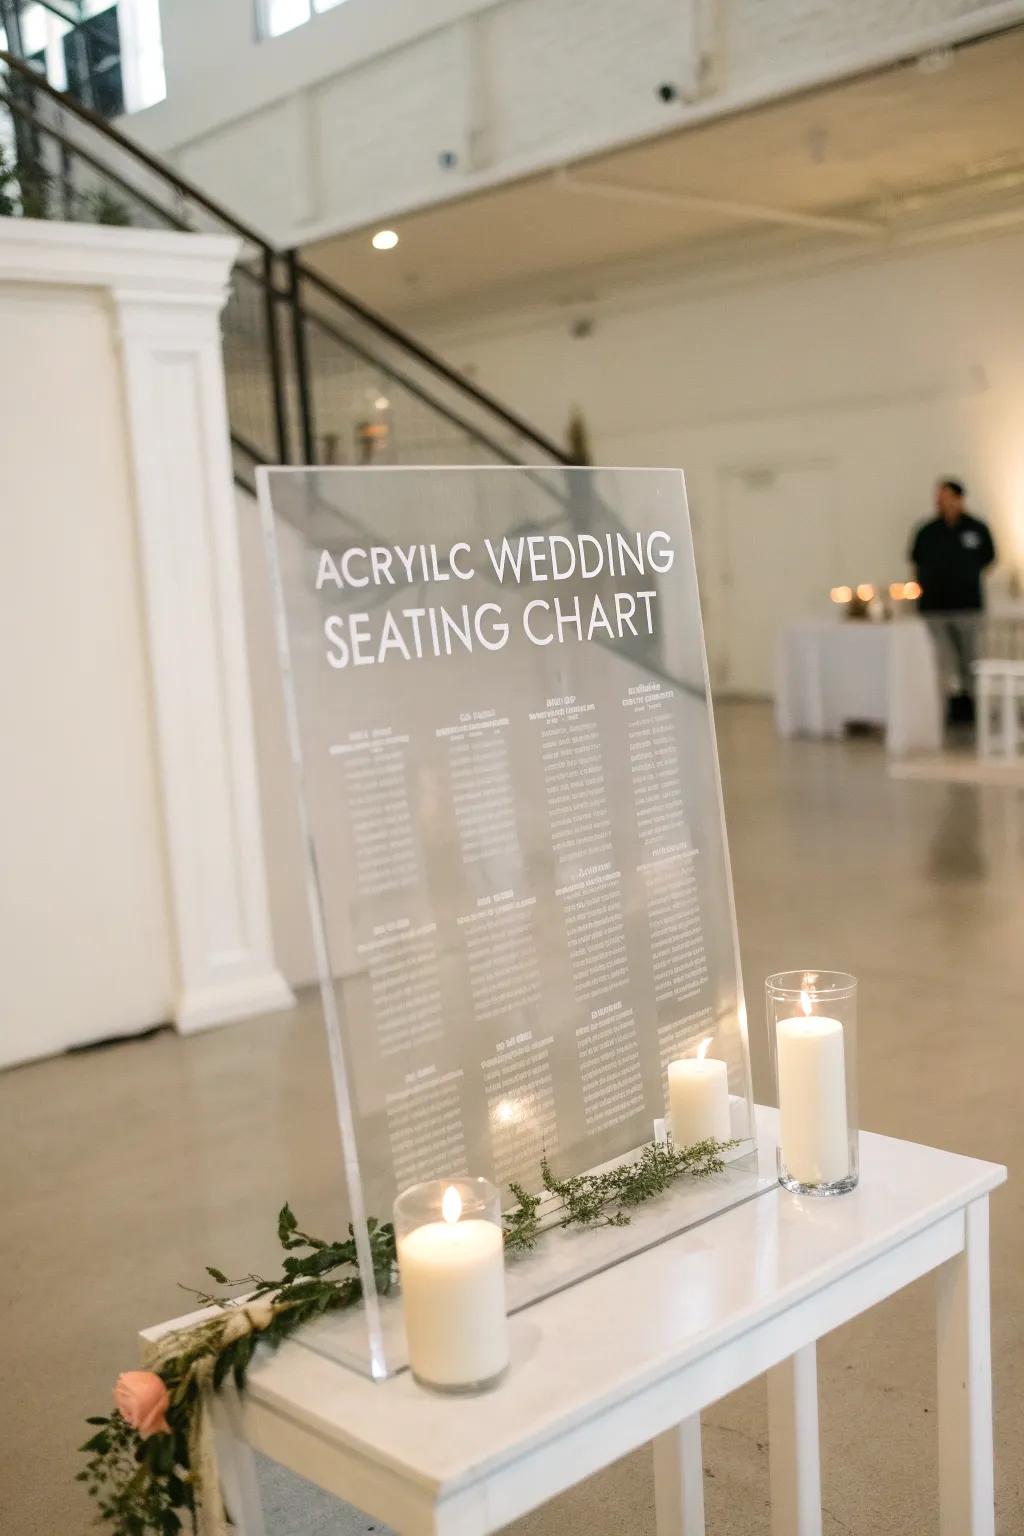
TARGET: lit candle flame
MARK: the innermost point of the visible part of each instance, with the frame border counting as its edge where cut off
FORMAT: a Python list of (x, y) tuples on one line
[(805, 1003), (451, 1204), (703, 1048)]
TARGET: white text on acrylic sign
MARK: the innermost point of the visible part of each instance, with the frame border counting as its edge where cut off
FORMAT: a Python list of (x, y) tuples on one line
[(409, 633)]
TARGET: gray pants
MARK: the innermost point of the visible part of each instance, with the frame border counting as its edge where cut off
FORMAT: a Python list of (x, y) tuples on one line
[(957, 638)]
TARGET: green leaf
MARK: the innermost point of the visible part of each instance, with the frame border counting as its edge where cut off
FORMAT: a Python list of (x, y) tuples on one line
[(221, 1368), (215, 1274), (177, 1492), (162, 1460), (181, 1448), (243, 1354)]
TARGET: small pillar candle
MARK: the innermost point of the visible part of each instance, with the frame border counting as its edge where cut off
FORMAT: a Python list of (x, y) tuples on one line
[(813, 1126), (452, 1274), (698, 1093)]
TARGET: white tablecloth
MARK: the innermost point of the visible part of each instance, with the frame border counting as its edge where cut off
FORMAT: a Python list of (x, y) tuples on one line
[(831, 674)]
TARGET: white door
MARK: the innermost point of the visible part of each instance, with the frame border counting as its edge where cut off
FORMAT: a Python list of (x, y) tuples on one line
[(780, 542)]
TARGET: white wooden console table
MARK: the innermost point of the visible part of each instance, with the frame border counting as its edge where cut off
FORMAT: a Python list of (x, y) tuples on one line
[(633, 1354)]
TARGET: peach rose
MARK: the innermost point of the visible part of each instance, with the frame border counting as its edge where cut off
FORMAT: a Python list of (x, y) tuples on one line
[(141, 1399)]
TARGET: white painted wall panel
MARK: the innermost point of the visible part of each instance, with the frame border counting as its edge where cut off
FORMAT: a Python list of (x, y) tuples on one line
[(85, 947)]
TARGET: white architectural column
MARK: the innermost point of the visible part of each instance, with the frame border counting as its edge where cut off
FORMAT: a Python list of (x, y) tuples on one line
[(174, 384), (167, 290)]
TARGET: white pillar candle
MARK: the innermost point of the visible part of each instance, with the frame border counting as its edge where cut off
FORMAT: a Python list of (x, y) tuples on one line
[(453, 1298), (813, 1128), (698, 1095)]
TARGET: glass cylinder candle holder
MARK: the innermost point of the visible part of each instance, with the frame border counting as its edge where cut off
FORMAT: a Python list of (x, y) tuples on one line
[(812, 1031), (451, 1266)]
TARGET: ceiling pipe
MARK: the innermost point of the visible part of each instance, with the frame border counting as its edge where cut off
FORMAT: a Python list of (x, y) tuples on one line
[(697, 202)]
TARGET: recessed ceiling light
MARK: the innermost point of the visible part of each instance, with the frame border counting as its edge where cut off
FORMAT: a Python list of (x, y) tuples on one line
[(382, 403), (384, 240)]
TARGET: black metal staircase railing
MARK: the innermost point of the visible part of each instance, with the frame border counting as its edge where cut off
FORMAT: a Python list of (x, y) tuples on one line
[(314, 376)]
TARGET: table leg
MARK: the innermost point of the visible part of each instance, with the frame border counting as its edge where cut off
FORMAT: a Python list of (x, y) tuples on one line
[(679, 1480), (984, 716), (237, 1465), (793, 1445), (966, 1485)]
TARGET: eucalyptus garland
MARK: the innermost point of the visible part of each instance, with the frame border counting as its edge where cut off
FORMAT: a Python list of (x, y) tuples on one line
[(605, 1199), (151, 1465)]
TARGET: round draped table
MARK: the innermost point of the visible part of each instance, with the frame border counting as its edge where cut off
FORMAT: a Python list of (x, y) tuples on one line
[(838, 673)]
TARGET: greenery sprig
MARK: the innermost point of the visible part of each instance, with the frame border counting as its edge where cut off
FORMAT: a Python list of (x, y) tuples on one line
[(143, 1482), (151, 1464), (605, 1199), (303, 1288)]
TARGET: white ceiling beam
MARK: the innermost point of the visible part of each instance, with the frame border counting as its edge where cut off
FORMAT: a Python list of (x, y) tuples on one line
[(592, 186)]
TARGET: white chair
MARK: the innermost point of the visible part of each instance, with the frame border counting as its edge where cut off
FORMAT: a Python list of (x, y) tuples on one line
[(1000, 694)]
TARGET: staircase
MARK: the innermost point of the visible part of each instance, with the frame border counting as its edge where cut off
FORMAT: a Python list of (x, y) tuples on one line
[(314, 376)]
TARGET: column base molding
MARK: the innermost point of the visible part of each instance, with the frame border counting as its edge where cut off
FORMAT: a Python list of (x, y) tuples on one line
[(227, 1002)]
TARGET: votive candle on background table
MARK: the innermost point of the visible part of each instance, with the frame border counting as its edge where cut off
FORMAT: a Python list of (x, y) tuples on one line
[(698, 1096), (812, 1018), (451, 1264)]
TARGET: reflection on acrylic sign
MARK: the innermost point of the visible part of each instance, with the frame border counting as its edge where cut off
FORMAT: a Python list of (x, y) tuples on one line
[(518, 873)]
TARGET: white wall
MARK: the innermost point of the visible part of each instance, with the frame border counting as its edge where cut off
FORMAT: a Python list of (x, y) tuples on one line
[(85, 946), (878, 376), (342, 120), (133, 886)]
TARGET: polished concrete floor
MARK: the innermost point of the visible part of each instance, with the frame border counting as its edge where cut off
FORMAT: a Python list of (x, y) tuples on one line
[(127, 1169)]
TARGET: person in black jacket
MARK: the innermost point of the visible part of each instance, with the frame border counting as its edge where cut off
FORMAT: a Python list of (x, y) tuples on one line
[(949, 554)]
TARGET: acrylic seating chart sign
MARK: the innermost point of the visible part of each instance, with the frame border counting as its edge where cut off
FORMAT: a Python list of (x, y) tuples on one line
[(519, 879)]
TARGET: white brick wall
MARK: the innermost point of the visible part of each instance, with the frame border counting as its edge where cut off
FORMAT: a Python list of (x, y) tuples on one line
[(384, 126), (316, 132), (564, 72)]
